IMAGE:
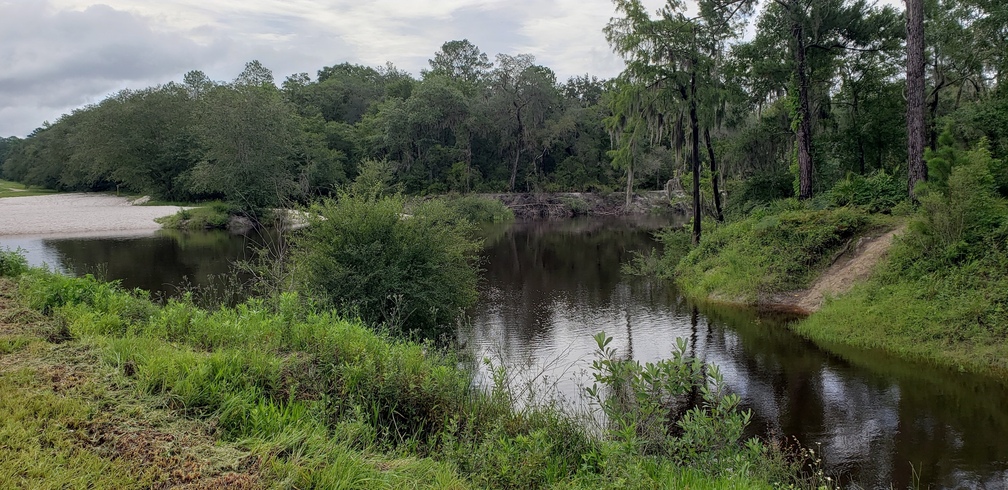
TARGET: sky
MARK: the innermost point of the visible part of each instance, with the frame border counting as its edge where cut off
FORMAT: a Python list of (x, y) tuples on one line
[(57, 55)]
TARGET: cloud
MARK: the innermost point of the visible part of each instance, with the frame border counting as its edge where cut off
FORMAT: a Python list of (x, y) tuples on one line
[(55, 60), (61, 54)]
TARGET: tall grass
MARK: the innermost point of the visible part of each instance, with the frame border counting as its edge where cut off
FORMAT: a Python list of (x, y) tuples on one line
[(770, 251), (329, 403)]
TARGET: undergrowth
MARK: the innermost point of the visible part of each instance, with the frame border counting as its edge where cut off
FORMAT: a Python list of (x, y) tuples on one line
[(942, 294), (772, 250), (325, 402), (479, 210), (211, 216)]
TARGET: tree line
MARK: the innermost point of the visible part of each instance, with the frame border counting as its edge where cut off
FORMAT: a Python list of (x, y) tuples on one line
[(467, 124), (816, 93)]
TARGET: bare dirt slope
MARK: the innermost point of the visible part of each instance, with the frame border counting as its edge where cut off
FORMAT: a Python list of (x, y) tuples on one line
[(852, 266)]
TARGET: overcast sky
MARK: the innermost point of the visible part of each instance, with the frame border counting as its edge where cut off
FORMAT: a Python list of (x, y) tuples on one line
[(56, 55)]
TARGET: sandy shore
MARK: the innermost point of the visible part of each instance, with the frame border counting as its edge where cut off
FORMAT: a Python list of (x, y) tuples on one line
[(78, 214)]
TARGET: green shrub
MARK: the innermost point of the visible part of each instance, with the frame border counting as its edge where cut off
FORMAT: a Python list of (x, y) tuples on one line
[(577, 205), (877, 192), (12, 263), (480, 210), (677, 407), (676, 243), (960, 204), (757, 190), (374, 180), (213, 216), (411, 272)]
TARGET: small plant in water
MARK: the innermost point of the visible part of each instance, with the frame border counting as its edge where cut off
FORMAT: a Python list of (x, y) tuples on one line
[(678, 406)]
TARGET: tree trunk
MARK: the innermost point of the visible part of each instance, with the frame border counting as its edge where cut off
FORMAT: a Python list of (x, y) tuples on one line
[(695, 141), (860, 137), (932, 117), (714, 176), (917, 171), (518, 152), (629, 185), (804, 129), (468, 175)]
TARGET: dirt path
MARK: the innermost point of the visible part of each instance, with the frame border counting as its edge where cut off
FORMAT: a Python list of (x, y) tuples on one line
[(853, 265)]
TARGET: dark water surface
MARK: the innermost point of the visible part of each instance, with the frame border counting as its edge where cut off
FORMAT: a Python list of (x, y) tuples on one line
[(549, 287)]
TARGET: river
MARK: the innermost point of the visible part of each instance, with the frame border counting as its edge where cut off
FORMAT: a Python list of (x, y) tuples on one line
[(548, 287)]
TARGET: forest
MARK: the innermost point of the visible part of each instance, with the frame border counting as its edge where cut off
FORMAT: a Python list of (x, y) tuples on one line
[(814, 95)]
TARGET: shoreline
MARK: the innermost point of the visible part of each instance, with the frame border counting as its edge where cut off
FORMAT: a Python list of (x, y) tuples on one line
[(78, 215)]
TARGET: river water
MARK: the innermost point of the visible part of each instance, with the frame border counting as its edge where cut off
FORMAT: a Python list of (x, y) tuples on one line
[(548, 287)]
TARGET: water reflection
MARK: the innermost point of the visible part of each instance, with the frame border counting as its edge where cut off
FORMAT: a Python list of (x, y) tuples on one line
[(161, 262), (550, 286)]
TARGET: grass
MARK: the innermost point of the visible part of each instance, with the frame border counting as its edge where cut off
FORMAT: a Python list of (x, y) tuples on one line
[(120, 392), (954, 316), (15, 189), (479, 210), (940, 296), (69, 421), (209, 216), (768, 252)]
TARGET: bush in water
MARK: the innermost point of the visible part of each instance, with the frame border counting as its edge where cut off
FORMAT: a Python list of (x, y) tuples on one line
[(413, 272)]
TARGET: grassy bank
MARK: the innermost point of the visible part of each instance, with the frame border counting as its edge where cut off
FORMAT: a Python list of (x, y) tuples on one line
[(954, 315), (16, 189), (770, 251), (107, 389), (942, 295), (215, 215), (939, 296), (920, 304)]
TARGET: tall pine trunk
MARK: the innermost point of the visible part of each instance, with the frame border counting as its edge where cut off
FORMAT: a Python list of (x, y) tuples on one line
[(917, 170), (718, 213), (695, 141), (804, 114)]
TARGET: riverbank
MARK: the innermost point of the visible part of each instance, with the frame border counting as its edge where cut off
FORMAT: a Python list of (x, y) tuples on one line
[(261, 395), (865, 281), (69, 214)]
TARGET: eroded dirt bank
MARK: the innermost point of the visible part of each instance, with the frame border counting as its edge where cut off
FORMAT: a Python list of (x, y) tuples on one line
[(852, 265)]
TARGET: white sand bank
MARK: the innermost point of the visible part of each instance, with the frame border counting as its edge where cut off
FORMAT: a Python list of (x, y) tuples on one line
[(78, 214)]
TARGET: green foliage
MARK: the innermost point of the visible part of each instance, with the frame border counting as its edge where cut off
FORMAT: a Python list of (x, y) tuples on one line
[(212, 216), (479, 210), (12, 263), (756, 191), (374, 180), (771, 251), (411, 270), (677, 406), (251, 136), (876, 192), (960, 203), (329, 402), (676, 243)]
